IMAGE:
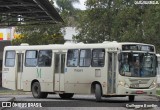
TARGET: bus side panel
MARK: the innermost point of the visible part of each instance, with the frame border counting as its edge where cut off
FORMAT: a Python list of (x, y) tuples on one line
[(88, 76), (79, 80), (26, 86), (46, 79), (29, 74), (83, 78), (8, 76), (44, 75), (69, 81), (69, 88)]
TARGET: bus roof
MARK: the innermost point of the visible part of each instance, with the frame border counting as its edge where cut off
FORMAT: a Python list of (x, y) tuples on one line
[(105, 44)]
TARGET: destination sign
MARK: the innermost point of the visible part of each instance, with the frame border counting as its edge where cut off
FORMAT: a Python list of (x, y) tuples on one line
[(138, 47)]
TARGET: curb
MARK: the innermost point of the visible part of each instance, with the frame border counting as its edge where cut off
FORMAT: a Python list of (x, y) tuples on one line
[(158, 96), (10, 100)]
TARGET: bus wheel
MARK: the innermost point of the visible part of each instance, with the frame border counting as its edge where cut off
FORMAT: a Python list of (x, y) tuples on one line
[(98, 93), (36, 91), (131, 98), (66, 95)]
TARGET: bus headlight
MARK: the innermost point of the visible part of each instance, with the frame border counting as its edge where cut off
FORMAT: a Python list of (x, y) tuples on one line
[(122, 83), (154, 84)]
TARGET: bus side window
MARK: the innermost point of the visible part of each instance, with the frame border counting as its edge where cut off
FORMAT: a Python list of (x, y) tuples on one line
[(45, 58), (98, 57), (72, 58), (10, 58), (85, 58), (31, 58)]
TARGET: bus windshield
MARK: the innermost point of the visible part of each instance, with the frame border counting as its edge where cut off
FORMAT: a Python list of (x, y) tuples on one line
[(137, 64)]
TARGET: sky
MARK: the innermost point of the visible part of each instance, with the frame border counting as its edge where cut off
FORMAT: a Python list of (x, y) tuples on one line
[(80, 5)]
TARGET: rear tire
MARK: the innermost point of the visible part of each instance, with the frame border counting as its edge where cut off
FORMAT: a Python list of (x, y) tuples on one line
[(66, 95), (36, 91), (131, 98), (98, 93)]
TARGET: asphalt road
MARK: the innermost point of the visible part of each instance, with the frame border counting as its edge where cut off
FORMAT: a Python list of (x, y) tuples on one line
[(84, 102)]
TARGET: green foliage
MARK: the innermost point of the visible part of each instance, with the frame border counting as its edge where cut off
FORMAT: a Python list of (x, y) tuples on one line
[(70, 20), (119, 20), (158, 92), (39, 35), (49, 34), (66, 5), (68, 11)]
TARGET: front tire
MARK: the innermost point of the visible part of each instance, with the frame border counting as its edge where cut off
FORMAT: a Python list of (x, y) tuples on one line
[(66, 95), (36, 91), (131, 98), (98, 93)]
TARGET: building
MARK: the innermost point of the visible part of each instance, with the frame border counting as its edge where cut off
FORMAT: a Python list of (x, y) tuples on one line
[(68, 33), (7, 33)]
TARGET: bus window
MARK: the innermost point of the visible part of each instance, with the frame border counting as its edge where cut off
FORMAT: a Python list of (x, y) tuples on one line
[(10, 58), (139, 65), (31, 58), (72, 58), (45, 58), (85, 58), (98, 57)]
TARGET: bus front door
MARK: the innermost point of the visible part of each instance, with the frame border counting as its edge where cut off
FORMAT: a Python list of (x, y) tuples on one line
[(111, 73), (19, 84), (59, 71)]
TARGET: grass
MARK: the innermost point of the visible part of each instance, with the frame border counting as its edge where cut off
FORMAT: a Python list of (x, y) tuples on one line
[(11, 92), (158, 92)]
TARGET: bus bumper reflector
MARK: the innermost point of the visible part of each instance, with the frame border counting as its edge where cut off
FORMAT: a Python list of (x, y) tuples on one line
[(139, 92)]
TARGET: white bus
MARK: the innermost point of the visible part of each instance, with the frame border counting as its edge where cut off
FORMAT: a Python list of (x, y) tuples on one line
[(104, 69)]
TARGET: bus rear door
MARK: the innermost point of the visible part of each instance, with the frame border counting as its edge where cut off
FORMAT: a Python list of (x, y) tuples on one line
[(19, 84)]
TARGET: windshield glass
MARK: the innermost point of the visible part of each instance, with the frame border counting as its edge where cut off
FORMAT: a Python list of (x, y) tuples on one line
[(138, 65)]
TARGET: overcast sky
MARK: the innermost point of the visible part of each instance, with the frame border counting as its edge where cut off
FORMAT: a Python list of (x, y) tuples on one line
[(80, 5)]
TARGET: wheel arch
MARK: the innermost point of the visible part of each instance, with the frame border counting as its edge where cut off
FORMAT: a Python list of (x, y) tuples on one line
[(33, 81), (93, 86)]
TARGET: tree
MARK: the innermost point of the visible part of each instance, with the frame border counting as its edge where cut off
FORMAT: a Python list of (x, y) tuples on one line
[(96, 22), (68, 11), (66, 5), (120, 20), (151, 26), (39, 35)]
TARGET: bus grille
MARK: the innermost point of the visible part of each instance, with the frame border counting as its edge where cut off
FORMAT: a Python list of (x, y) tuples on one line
[(140, 83)]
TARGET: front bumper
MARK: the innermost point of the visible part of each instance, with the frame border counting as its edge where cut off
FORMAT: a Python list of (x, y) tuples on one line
[(121, 90)]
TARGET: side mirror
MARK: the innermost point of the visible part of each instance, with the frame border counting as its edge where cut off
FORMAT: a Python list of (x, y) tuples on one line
[(120, 57)]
